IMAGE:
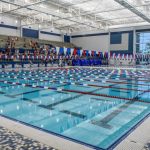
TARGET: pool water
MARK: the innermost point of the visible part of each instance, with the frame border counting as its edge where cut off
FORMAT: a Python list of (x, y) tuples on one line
[(95, 107)]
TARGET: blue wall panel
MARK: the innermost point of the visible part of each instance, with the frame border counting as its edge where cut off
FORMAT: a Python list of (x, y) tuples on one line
[(115, 38), (30, 33), (66, 38), (130, 44)]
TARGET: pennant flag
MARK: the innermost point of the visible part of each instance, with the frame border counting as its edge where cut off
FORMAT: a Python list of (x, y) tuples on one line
[(57, 50), (72, 51), (65, 50), (114, 55), (75, 52), (84, 53), (87, 53), (127, 56), (118, 56), (78, 52), (81, 51), (68, 51), (90, 52), (61, 51), (131, 56)]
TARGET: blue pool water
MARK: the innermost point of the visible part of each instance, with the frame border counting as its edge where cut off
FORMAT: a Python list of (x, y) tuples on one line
[(96, 107)]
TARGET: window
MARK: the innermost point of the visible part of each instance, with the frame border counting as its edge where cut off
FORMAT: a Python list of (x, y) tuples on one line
[(143, 42)]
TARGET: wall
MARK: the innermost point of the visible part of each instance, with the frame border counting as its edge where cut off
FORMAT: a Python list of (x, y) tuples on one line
[(52, 35), (121, 42), (115, 40), (124, 39), (9, 26), (92, 41)]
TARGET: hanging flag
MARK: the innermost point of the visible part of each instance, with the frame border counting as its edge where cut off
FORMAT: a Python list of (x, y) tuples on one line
[(57, 50), (131, 56), (87, 53), (84, 53), (72, 51), (127, 56), (68, 51), (65, 50), (61, 51), (81, 51), (118, 56), (114, 55), (75, 52), (91, 53), (78, 52)]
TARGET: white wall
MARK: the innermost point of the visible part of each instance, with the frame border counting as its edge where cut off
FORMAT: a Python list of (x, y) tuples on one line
[(12, 21), (9, 32), (51, 37), (92, 42), (103, 42)]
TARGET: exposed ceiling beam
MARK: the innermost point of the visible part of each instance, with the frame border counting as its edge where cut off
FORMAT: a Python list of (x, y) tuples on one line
[(82, 12), (49, 13), (78, 3), (24, 6), (133, 9), (105, 11)]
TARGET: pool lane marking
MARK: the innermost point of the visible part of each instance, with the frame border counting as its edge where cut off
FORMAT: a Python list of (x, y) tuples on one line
[(74, 114), (79, 84), (104, 121), (55, 81), (125, 78), (112, 78), (113, 81), (29, 100), (89, 93), (50, 106), (2, 92), (13, 96), (74, 75)]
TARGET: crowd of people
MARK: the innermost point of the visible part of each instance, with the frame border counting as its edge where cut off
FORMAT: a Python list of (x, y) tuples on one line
[(49, 55)]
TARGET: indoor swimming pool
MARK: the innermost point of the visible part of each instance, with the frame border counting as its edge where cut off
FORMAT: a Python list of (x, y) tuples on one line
[(96, 107)]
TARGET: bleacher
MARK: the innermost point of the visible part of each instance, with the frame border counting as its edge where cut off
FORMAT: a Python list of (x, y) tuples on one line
[(24, 42)]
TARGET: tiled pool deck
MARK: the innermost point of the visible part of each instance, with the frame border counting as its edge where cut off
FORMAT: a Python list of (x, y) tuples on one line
[(10, 140)]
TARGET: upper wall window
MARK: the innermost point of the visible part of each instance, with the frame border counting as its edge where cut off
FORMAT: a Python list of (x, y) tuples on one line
[(143, 42)]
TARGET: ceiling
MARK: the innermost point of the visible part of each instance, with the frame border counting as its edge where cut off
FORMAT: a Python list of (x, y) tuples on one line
[(78, 15)]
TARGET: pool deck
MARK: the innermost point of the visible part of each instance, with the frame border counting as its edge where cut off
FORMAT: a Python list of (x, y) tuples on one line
[(10, 140), (139, 139)]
